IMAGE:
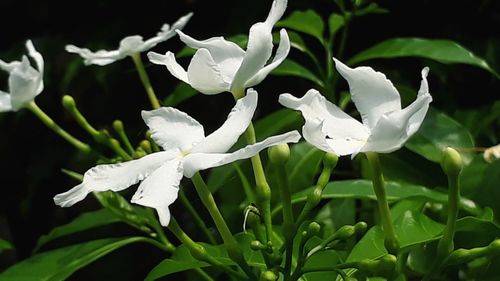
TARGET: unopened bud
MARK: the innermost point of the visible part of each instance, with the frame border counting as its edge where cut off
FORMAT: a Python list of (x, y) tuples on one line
[(118, 125), (268, 276), (451, 162), (279, 154), (68, 102)]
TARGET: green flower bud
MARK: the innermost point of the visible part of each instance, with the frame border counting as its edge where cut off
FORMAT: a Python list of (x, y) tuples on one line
[(458, 256), (256, 245), (313, 228), (279, 154), (146, 145), (330, 160), (360, 227), (68, 102), (268, 276), (199, 252), (451, 162), (118, 125), (494, 247)]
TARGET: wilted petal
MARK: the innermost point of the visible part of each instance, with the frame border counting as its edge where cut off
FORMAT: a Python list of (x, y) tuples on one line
[(101, 57), (24, 83), (5, 103), (204, 74), (172, 128), (372, 93), (169, 61), (114, 177), (199, 161), (159, 190), (166, 32), (281, 54), (237, 122), (393, 129)]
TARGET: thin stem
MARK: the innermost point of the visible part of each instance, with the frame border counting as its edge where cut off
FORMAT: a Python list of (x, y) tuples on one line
[(145, 80), (120, 130), (159, 231), (33, 107), (445, 245), (230, 242), (197, 219), (390, 240), (288, 223)]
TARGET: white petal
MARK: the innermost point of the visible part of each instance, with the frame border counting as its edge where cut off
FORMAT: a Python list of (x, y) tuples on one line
[(372, 93), (227, 55), (159, 190), (394, 129), (24, 83), (37, 57), (281, 54), (101, 57), (114, 177), (131, 45), (200, 161), (9, 66), (169, 61), (259, 48), (204, 74), (336, 123), (277, 10), (173, 129), (237, 122), (5, 104), (166, 32), (312, 131)]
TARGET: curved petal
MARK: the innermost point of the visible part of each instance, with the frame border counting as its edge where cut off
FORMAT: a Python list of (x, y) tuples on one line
[(9, 66), (37, 57), (393, 129), (166, 32), (312, 131), (169, 61), (259, 48), (237, 122), (277, 10), (160, 189), (24, 82), (5, 103), (372, 93), (200, 161), (281, 54), (131, 45), (204, 74), (101, 57), (226, 54), (114, 177), (173, 129)]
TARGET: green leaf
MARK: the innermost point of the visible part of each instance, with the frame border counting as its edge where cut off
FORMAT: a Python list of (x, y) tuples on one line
[(303, 165), (59, 264), (181, 259), (412, 228), (290, 68), (308, 22), (335, 23), (296, 41), (5, 245), (181, 93), (437, 132), (84, 222), (362, 189), (444, 51)]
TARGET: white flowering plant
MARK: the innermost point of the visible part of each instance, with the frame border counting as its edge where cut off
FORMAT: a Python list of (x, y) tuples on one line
[(268, 197)]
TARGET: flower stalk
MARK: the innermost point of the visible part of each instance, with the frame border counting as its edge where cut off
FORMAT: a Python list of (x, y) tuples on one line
[(143, 75)]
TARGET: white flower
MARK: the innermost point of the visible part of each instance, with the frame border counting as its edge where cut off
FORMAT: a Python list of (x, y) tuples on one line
[(187, 151), (129, 45), (219, 65), (25, 82), (385, 127)]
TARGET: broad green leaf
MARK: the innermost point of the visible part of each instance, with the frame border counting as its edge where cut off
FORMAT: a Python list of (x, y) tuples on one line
[(444, 51), (5, 245), (277, 122), (362, 189), (437, 132), (181, 259), (335, 23), (181, 93), (291, 68), (303, 165), (308, 22), (59, 264), (296, 41), (412, 228), (473, 224), (84, 222)]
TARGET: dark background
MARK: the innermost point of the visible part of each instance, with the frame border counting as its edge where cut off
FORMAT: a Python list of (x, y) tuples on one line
[(31, 157)]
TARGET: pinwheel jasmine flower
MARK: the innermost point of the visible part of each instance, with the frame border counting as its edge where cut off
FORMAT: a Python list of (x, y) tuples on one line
[(25, 82), (219, 65), (187, 151), (385, 127), (129, 45)]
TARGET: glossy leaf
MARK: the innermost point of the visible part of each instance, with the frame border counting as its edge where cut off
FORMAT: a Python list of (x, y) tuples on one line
[(291, 68), (84, 222), (303, 165), (181, 93), (335, 23), (308, 22), (444, 51), (437, 132), (59, 264)]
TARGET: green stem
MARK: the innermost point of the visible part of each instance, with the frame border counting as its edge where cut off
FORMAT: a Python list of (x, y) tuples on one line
[(33, 107), (120, 130), (159, 231), (145, 80), (198, 251), (288, 223), (230, 242), (390, 240), (445, 245), (197, 219)]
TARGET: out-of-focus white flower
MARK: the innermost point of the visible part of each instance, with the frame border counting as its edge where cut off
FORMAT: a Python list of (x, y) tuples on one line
[(219, 65), (129, 45), (187, 151), (25, 82), (386, 126)]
